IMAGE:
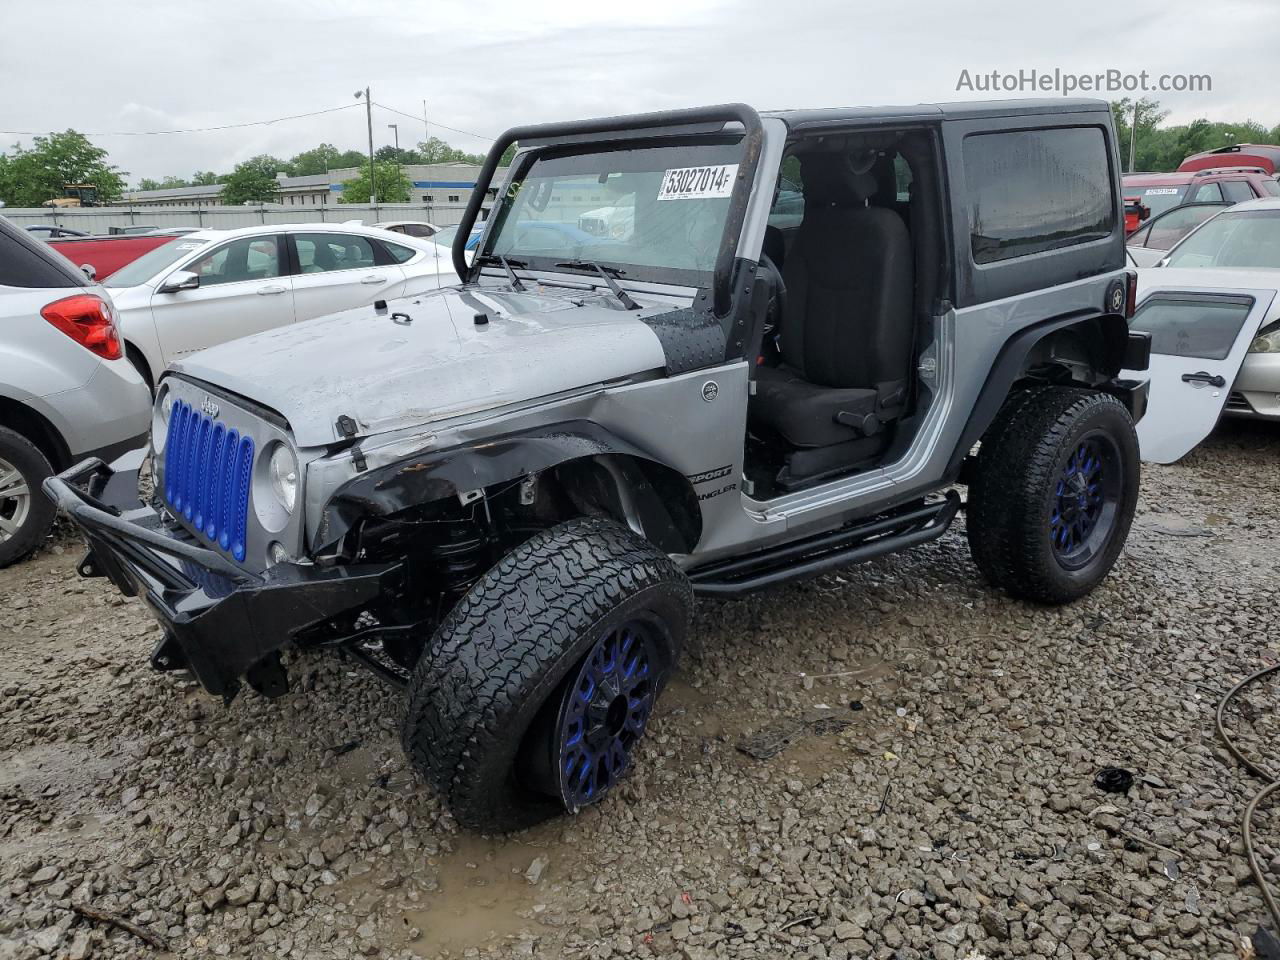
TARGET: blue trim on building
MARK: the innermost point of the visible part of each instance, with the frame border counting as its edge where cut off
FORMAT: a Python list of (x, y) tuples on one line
[(426, 185)]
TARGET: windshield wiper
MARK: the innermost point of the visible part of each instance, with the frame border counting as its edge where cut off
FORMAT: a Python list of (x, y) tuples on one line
[(607, 273), (507, 266)]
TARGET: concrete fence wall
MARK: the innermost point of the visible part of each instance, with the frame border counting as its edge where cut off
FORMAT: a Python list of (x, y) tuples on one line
[(98, 219)]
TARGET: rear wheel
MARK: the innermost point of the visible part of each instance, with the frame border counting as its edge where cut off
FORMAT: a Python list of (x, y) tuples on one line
[(533, 694), (26, 514), (1053, 493)]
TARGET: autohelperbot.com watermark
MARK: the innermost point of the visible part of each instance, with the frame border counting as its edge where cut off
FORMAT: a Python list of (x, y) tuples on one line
[(1066, 82)]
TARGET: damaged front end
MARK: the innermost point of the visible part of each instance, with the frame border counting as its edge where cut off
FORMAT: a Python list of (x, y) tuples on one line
[(221, 622)]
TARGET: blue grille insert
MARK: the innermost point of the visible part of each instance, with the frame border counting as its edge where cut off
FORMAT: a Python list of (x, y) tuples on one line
[(208, 469)]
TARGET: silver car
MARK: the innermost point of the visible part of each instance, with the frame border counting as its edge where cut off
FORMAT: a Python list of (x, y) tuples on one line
[(66, 391)]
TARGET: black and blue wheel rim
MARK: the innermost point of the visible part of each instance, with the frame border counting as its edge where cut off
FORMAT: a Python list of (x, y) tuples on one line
[(1083, 507), (603, 712)]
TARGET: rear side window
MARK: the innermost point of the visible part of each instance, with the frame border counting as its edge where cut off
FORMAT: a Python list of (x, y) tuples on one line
[(1208, 193), (1272, 187), (27, 262), (400, 254), (1036, 190), (1237, 190), (1201, 328)]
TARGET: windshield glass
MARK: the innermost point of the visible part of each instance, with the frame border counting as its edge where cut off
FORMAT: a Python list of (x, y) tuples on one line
[(152, 262), (1158, 199), (654, 213), (1247, 238)]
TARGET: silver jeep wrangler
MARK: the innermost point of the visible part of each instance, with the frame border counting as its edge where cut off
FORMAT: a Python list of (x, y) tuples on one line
[(698, 352)]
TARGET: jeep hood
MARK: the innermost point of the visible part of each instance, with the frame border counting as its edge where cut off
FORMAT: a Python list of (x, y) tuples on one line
[(425, 359)]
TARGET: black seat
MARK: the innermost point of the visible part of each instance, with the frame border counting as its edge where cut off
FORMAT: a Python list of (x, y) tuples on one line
[(847, 334)]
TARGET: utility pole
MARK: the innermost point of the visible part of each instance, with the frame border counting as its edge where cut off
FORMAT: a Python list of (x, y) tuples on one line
[(368, 110), (396, 128), (1133, 137), (426, 130)]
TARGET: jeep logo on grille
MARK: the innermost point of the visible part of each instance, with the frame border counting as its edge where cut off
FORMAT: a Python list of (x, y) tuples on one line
[(209, 407)]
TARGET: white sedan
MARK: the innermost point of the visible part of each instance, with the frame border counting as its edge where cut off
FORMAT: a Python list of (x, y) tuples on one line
[(212, 286)]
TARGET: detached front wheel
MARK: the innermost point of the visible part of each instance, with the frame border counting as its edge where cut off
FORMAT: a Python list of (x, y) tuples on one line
[(1053, 493), (533, 694)]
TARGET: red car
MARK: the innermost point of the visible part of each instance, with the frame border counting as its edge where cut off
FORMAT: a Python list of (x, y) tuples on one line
[(1264, 156), (1163, 191), (107, 254)]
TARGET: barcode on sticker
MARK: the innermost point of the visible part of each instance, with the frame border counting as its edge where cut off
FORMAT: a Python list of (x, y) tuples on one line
[(698, 183)]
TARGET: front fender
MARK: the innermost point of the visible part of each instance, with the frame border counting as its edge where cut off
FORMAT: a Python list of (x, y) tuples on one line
[(432, 475)]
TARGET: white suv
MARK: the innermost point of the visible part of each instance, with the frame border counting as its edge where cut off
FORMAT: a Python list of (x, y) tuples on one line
[(66, 391)]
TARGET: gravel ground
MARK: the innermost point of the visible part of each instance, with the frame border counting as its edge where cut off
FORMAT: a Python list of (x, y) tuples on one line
[(936, 798)]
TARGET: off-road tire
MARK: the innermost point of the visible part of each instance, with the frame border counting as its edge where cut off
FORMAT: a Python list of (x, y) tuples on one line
[(507, 645), (35, 469), (1015, 477)]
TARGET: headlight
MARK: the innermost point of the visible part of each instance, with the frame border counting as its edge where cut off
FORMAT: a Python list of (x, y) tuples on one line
[(1268, 341), (166, 404), (283, 471)]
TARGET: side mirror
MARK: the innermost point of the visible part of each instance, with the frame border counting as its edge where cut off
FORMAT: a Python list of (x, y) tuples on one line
[(89, 271), (1144, 213), (180, 280)]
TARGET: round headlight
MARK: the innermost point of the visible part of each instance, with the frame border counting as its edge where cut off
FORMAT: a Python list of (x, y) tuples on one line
[(166, 405), (283, 471)]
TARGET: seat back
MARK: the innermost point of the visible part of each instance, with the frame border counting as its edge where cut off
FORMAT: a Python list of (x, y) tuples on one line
[(849, 276)]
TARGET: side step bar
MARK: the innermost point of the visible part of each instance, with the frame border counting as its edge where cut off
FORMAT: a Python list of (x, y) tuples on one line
[(826, 551)]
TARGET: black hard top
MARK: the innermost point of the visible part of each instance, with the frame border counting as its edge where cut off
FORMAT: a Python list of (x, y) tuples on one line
[(923, 112)]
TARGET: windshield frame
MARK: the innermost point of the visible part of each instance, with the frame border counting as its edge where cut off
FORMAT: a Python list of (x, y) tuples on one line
[(636, 127), (624, 270)]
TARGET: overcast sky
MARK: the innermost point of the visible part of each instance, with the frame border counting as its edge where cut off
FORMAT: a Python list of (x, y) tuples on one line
[(484, 66)]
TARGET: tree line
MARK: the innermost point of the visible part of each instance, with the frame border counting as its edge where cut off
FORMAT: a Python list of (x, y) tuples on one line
[(1161, 148), (31, 175)]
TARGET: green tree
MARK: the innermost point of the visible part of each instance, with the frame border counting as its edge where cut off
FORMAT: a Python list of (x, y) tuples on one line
[(205, 178), (317, 160), (393, 186), (1149, 116), (253, 181), (391, 154), (40, 173)]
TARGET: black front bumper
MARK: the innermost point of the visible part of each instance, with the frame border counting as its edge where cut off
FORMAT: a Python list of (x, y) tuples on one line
[(222, 622)]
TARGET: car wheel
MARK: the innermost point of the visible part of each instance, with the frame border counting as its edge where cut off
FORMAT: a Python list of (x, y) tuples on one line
[(1053, 493), (26, 514), (532, 695)]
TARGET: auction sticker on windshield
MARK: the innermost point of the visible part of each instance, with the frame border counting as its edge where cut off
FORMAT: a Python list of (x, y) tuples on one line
[(698, 183)]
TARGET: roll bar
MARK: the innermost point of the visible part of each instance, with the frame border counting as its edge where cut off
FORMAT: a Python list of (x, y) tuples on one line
[(722, 278)]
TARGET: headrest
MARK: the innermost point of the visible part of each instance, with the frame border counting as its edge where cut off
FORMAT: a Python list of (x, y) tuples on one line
[(834, 178)]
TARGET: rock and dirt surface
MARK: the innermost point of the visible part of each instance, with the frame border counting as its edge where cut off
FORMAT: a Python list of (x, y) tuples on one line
[(931, 794)]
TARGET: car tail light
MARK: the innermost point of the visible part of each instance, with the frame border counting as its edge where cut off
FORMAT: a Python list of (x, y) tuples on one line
[(1131, 294), (89, 321)]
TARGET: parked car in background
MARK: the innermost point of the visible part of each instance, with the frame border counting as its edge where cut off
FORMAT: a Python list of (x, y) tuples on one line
[(1263, 155), (49, 231), (1150, 242), (66, 391), (446, 234), (105, 255), (1163, 191), (410, 228), (1229, 269), (216, 285)]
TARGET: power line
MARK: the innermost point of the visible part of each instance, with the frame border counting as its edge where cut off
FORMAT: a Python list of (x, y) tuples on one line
[(159, 133), (436, 123)]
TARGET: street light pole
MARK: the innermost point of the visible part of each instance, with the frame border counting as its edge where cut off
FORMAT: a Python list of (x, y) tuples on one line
[(1133, 137), (396, 128), (368, 110)]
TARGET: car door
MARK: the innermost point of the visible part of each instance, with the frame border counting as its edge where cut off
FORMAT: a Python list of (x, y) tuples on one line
[(1149, 243), (338, 271), (1198, 342), (242, 290)]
